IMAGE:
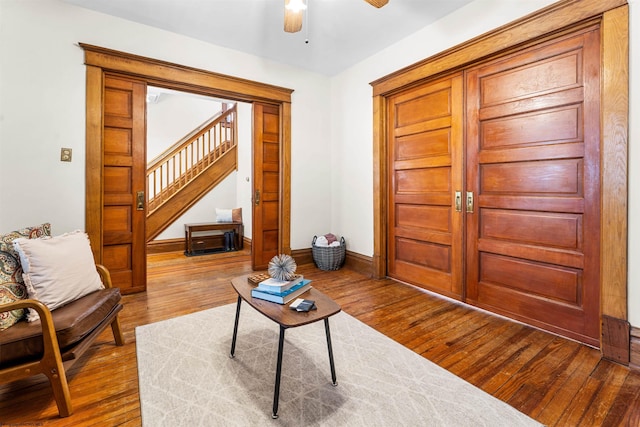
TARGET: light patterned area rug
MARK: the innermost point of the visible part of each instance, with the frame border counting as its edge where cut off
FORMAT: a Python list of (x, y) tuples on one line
[(187, 378)]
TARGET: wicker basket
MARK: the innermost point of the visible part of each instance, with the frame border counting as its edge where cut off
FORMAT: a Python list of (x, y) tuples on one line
[(328, 258)]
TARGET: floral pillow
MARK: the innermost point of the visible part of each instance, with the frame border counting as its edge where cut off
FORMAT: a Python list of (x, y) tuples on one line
[(12, 287)]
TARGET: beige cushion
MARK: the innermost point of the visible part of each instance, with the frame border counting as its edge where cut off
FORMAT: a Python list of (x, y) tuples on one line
[(58, 270)]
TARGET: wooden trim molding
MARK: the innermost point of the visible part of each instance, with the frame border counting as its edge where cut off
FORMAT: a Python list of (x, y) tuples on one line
[(380, 191), (614, 128), (284, 216), (613, 15), (187, 78), (353, 261), (634, 357), (101, 60), (545, 21), (615, 339), (93, 179), (302, 256), (360, 263), (166, 245)]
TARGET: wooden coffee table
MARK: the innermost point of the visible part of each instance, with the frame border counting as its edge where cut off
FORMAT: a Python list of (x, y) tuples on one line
[(286, 318)]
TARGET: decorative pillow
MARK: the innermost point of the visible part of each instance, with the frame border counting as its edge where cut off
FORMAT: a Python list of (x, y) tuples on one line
[(11, 285), (58, 270), (223, 215), (229, 215)]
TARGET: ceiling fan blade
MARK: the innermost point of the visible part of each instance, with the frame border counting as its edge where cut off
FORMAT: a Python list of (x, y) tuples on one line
[(292, 19), (377, 3)]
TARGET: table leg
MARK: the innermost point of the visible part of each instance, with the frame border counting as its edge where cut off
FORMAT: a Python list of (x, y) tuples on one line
[(333, 367), (276, 392), (235, 329)]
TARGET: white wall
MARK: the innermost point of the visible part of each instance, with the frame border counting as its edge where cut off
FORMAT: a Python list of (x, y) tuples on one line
[(352, 126), (173, 116), (42, 108)]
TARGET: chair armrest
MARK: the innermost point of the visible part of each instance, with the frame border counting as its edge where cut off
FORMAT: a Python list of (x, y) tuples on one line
[(46, 321), (104, 275), (49, 364)]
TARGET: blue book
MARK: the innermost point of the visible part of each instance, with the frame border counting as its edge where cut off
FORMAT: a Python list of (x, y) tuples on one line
[(286, 292), (282, 297), (275, 285)]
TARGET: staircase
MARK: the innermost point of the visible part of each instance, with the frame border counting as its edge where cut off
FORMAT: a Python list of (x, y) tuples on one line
[(188, 170)]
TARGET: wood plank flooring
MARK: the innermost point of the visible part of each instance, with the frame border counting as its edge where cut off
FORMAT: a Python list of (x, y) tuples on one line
[(554, 380)]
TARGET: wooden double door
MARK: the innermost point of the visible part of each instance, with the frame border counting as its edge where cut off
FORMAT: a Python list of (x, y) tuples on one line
[(494, 185)]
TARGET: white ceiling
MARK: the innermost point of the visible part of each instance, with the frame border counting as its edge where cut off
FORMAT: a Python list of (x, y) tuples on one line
[(340, 33)]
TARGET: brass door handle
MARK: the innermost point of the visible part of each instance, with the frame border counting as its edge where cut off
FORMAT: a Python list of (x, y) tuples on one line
[(458, 201), (140, 200), (257, 197), (469, 201)]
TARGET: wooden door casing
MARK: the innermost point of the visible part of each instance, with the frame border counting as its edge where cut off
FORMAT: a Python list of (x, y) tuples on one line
[(426, 171), (100, 61), (124, 161), (533, 164), (266, 184)]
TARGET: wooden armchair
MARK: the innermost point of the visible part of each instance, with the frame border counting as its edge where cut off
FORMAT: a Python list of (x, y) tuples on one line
[(59, 338)]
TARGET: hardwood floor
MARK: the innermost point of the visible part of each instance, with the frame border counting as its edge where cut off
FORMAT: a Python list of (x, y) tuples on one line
[(554, 380)]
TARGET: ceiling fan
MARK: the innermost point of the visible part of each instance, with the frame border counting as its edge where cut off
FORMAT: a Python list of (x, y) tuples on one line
[(293, 13)]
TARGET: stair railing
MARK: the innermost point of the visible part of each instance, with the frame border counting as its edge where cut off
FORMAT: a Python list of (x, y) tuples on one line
[(186, 159)]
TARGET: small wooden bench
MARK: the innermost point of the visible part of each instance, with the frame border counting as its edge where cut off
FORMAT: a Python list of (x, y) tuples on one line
[(206, 237)]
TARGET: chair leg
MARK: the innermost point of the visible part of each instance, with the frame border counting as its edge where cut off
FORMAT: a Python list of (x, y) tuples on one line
[(117, 331), (58, 380)]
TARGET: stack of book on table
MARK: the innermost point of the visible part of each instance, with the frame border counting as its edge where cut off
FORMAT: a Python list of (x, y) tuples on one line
[(281, 291)]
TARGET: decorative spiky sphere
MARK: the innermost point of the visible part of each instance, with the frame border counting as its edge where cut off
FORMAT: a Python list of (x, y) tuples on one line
[(282, 267)]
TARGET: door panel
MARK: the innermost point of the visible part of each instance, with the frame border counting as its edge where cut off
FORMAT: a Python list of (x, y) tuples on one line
[(524, 227), (124, 244), (266, 182), (533, 166), (425, 164), (535, 279), (560, 177)]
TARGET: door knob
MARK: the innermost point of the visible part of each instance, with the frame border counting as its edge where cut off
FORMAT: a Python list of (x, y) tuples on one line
[(469, 201), (140, 200), (257, 197), (458, 201)]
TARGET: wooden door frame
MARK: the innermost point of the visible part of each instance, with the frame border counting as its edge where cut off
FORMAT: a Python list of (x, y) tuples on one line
[(613, 16), (99, 60)]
